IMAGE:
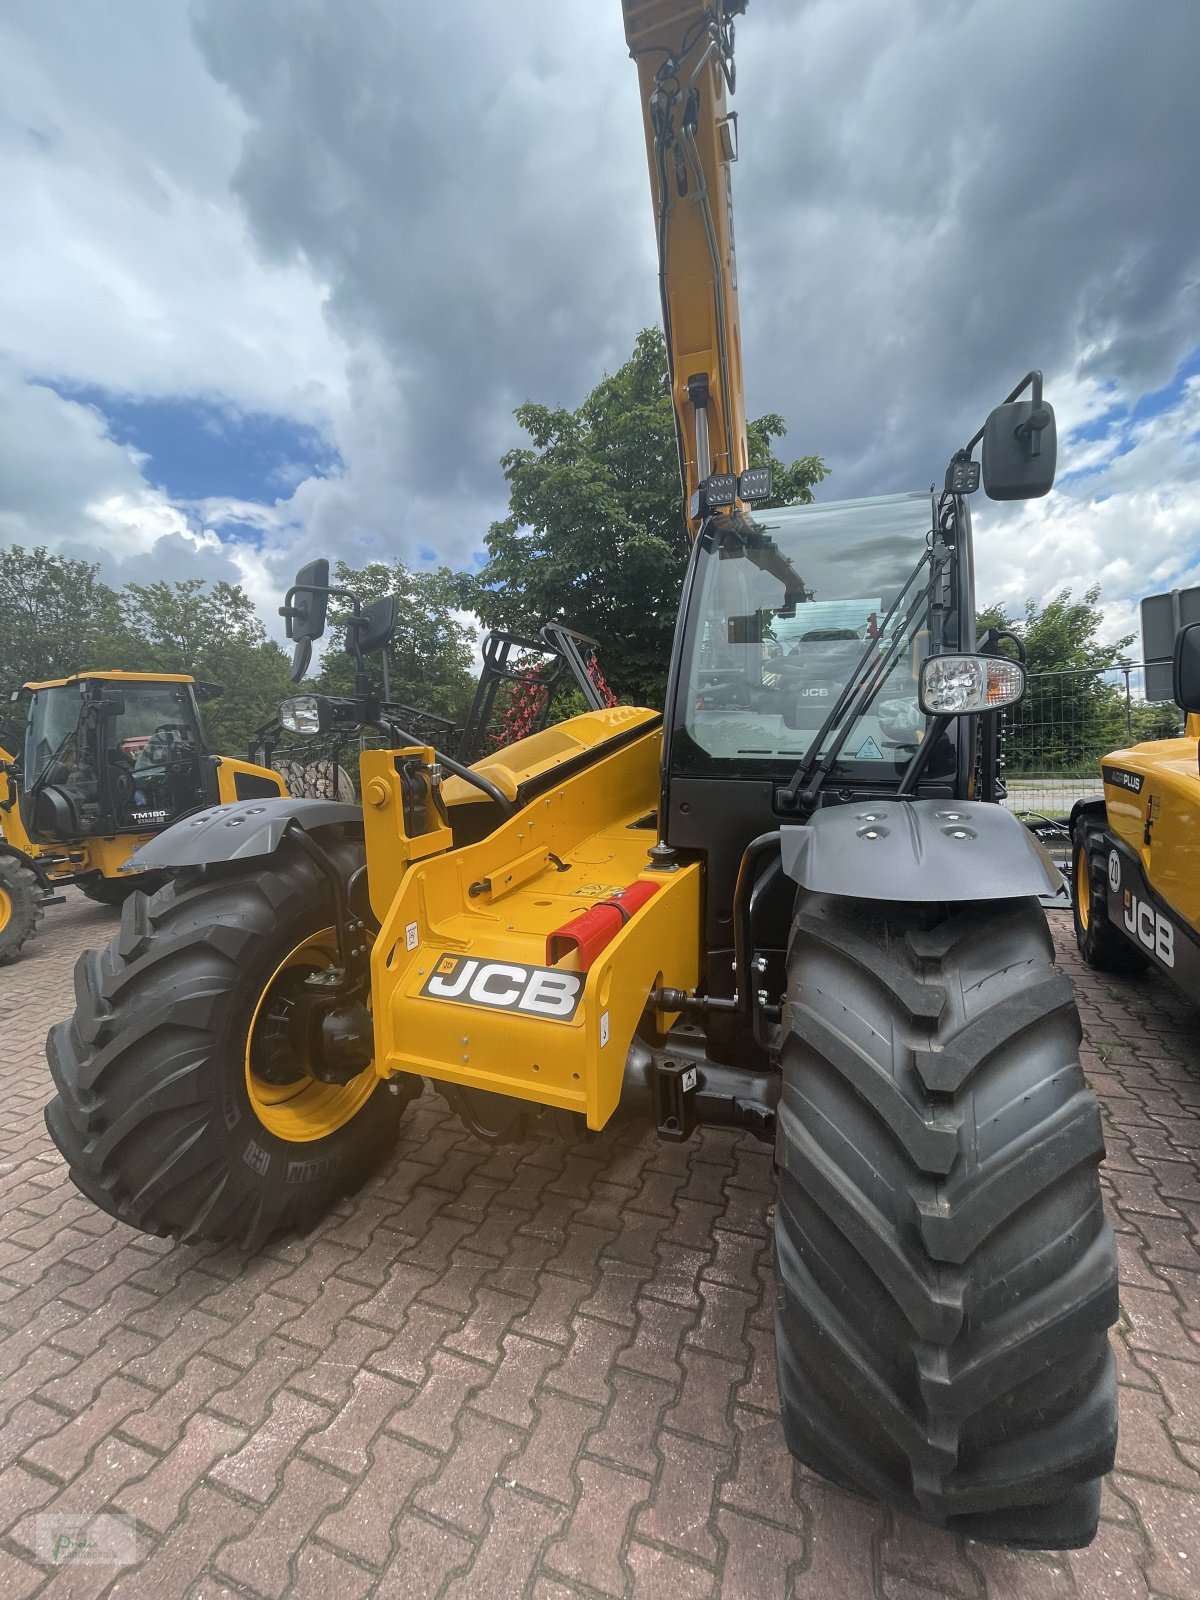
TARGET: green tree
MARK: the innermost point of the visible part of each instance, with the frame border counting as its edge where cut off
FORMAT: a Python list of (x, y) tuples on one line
[(793, 485), (431, 655), (58, 618), (213, 633), (594, 537), (1076, 706)]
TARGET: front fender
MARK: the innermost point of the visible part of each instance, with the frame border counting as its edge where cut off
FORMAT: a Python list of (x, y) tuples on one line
[(237, 832), (924, 850)]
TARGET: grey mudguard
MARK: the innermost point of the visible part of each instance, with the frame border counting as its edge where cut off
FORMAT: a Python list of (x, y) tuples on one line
[(238, 831), (919, 850)]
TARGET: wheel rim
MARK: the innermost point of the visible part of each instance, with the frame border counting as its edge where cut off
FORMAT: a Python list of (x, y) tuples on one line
[(305, 1109), (1083, 888), (5, 909)]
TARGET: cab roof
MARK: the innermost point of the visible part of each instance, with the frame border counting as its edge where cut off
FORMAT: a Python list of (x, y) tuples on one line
[(114, 676)]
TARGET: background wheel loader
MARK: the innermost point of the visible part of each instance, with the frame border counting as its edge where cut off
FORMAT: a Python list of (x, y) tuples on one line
[(1136, 851), (829, 935), (109, 760)]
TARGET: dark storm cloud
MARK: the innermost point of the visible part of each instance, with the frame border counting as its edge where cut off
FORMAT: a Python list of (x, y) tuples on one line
[(936, 197), (469, 179), (932, 198)]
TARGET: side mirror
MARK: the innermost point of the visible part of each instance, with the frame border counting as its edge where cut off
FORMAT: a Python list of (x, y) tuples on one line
[(307, 602), (1020, 451), (205, 692), (304, 610), (373, 627), (112, 701), (1187, 668)]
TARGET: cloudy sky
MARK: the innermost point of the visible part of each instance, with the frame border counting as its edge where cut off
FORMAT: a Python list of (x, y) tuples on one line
[(277, 271)]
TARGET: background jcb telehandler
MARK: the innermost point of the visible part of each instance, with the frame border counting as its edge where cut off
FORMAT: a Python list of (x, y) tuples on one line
[(109, 760), (830, 936), (1136, 851)]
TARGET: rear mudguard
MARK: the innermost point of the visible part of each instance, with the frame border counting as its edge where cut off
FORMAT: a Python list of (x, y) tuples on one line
[(237, 832), (920, 850)]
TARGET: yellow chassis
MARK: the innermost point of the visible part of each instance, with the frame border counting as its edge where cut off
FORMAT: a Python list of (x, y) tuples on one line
[(493, 904)]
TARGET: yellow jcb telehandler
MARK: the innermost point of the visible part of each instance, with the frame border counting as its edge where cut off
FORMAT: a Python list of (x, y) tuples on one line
[(787, 902), (1136, 851)]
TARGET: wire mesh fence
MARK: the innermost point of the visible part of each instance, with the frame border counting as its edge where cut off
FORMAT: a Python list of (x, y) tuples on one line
[(1068, 721)]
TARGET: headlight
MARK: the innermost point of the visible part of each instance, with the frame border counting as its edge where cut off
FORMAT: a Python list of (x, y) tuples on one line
[(954, 686), (302, 714)]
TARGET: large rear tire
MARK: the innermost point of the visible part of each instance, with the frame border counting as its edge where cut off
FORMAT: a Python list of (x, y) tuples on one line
[(1100, 944), (183, 1106), (20, 907), (947, 1275)]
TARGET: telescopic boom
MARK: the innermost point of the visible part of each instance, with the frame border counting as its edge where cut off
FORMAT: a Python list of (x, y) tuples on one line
[(684, 56)]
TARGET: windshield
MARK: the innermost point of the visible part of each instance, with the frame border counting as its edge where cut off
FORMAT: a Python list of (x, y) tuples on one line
[(782, 617), (52, 734)]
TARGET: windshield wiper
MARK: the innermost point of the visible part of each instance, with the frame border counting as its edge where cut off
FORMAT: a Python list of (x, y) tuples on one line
[(53, 757), (870, 673)]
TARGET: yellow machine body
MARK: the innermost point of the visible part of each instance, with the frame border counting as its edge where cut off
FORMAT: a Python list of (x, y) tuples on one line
[(462, 987), (1160, 820), (61, 861)]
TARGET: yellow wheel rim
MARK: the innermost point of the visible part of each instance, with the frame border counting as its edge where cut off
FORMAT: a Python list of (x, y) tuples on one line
[(306, 1109), (5, 909), (1083, 888)]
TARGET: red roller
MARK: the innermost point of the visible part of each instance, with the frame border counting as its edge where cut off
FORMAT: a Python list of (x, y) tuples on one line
[(588, 933)]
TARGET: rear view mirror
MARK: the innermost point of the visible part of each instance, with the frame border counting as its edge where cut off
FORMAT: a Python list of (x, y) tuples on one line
[(308, 602), (1187, 667), (113, 702), (1020, 451), (373, 627)]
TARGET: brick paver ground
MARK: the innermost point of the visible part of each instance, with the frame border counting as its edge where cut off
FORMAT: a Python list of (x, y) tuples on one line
[(540, 1371)]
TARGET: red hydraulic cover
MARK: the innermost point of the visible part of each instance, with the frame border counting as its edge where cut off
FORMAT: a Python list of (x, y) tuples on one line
[(589, 932)]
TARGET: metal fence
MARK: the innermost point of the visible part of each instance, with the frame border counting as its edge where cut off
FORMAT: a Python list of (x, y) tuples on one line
[(1068, 721)]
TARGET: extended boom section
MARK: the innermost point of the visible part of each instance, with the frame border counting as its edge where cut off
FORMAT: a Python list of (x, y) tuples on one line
[(684, 56)]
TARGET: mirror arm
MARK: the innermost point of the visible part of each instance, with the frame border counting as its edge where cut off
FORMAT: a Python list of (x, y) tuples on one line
[(1032, 380)]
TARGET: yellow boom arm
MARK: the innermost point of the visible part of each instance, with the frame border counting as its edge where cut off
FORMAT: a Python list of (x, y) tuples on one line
[(684, 56)]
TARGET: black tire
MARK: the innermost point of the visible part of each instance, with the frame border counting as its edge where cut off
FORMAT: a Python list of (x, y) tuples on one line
[(1100, 944), (115, 891), (21, 909), (946, 1272), (153, 1111)]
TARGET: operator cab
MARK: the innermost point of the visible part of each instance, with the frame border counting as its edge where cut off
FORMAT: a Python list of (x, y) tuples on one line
[(785, 606), (112, 755)]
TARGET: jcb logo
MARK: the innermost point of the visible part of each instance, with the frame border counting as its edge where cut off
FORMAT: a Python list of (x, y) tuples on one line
[(1148, 927), (506, 986), (814, 694)]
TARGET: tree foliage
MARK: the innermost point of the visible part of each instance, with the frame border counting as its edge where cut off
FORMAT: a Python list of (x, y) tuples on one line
[(1079, 703), (60, 618), (214, 633), (430, 657), (594, 537), (56, 617)]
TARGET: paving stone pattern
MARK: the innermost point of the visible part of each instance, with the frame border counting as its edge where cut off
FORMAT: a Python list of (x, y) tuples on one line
[(541, 1371)]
